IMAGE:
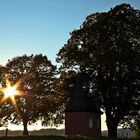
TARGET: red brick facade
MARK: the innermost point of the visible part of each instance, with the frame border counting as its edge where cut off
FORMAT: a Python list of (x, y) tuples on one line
[(83, 123)]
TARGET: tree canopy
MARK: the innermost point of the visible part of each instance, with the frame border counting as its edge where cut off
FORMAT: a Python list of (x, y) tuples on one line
[(36, 78), (106, 51)]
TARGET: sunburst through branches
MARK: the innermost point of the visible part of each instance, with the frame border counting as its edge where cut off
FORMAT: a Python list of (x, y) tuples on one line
[(10, 92)]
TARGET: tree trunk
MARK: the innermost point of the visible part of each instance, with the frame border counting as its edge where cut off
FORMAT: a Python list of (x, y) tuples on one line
[(25, 130), (112, 129), (6, 132), (112, 124)]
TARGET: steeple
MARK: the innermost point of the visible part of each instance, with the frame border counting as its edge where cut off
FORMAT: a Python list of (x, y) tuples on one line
[(79, 101)]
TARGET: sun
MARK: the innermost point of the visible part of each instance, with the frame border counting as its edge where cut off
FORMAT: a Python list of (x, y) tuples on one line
[(10, 92)]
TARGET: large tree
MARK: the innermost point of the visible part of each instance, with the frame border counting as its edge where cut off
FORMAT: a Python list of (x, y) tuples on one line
[(36, 78), (106, 51)]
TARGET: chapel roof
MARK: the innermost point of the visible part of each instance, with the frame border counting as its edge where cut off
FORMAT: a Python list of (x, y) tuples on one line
[(79, 101)]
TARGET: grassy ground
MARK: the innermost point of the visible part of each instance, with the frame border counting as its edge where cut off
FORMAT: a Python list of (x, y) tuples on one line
[(56, 138)]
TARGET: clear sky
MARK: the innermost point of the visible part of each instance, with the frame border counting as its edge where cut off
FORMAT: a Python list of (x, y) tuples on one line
[(43, 26)]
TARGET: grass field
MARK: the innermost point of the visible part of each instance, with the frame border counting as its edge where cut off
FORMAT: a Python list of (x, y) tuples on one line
[(57, 138), (49, 134)]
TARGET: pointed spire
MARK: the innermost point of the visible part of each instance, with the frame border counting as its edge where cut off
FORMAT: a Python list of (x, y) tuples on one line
[(79, 101)]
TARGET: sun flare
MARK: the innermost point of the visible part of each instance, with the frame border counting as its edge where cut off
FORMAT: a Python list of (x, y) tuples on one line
[(9, 92)]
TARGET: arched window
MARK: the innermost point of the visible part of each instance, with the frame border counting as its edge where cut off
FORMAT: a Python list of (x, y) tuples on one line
[(90, 123)]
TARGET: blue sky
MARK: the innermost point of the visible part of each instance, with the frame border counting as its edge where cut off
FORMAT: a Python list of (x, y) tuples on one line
[(43, 26)]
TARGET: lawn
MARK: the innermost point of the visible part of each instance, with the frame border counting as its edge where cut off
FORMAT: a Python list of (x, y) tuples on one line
[(57, 138)]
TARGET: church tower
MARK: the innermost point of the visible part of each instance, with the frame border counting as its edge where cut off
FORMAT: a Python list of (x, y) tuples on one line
[(81, 116)]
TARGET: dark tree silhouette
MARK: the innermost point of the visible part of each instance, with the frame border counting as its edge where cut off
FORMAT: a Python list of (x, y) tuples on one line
[(40, 101), (106, 51)]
